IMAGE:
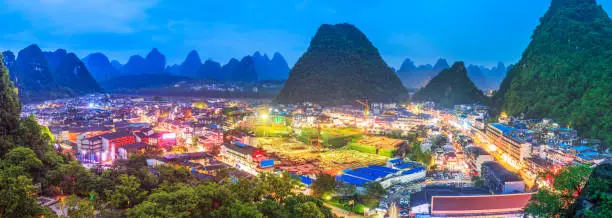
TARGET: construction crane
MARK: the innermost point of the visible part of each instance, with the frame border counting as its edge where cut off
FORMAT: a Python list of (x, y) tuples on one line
[(366, 112)]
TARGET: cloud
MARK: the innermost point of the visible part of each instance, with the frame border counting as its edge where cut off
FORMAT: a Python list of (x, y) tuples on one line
[(80, 16)]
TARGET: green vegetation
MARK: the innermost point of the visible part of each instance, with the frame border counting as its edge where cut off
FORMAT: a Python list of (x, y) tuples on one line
[(559, 200), (332, 137), (564, 73), (598, 192), (417, 155), (340, 66), (272, 130), (371, 149), (324, 185), (451, 87)]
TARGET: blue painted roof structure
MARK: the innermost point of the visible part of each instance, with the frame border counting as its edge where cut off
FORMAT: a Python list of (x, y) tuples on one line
[(503, 128), (306, 180), (266, 163), (352, 180), (376, 173), (237, 143), (395, 161), (361, 175), (384, 169), (580, 148)]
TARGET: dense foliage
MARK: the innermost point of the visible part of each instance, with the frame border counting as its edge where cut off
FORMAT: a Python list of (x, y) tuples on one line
[(452, 86), (596, 197), (559, 200), (340, 66), (9, 103), (565, 72)]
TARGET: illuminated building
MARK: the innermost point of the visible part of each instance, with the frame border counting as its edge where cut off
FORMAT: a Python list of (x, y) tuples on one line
[(476, 156), (112, 141), (384, 175), (245, 157), (500, 180), (507, 140), (506, 205), (125, 151)]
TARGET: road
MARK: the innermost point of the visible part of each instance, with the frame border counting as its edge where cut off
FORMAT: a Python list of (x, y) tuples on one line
[(481, 140)]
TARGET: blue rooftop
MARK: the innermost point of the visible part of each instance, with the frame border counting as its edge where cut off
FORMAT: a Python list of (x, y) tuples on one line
[(378, 174), (362, 175), (237, 143), (306, 180), (395, 161), (266, 163), (352, 180), (503, 128), (384, 169), (580, 148)]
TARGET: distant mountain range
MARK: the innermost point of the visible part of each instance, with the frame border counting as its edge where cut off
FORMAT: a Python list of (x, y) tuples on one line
[(415, 77), (450, 87), (55, 74), (340, 66), (250, 68), (42, 75)]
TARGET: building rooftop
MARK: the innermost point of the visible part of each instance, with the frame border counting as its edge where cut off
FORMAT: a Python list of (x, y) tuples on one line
[(115, 135), (137, 145), (352, 180), (480, 204), (500, 172), (240, 147), (503, 128), (384, 169)]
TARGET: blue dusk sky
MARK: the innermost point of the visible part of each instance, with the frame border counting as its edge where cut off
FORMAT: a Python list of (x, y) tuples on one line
[(479, 32)]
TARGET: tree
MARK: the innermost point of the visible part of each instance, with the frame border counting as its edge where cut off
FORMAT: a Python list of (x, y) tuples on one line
[(347, 189), (31, 135), (23, 157), (127, 193), (306, 206), (271, 208), (308, 210), (375, 189), (174, 175), (10, 107), (545, 203), (18, 194), (324, 184), (559, 200), (238, 209), (73, 178), (277, 187), (180, 202), (78, 207)]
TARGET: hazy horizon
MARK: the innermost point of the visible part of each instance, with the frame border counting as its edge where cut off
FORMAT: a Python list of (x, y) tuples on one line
[(477, 32)]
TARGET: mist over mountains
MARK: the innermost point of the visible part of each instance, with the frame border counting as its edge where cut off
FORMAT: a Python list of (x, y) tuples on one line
[(415, 77)]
